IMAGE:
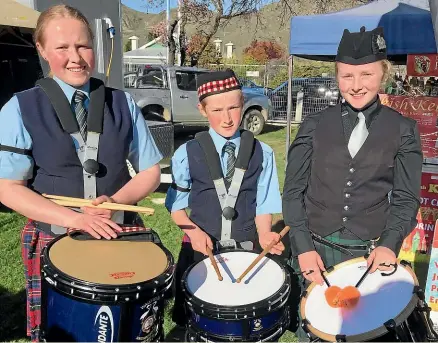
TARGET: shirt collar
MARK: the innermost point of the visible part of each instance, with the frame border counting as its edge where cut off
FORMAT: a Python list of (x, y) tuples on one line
[(220, 141), (69, 90), (370, 111)]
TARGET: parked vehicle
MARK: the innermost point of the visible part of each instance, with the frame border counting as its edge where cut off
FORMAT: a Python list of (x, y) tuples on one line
[(251, 86), (319, 93), (169, 94)]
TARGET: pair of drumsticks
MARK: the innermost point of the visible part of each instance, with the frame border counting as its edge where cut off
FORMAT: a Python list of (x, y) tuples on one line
[(253, 264), (77, 202)]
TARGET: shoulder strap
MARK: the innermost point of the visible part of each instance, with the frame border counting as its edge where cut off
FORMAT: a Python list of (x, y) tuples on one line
[(246, 149), (63, 109), (213, 161), (15, 150), (60, 104), (97, 105)]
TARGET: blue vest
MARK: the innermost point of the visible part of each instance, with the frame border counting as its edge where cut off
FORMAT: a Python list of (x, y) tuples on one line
[(204, 204), (57, 169)]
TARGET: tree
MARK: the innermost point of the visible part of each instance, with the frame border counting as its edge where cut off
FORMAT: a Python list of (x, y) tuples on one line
[(263, 51), (207, 16), (208, 56), (128, 46)]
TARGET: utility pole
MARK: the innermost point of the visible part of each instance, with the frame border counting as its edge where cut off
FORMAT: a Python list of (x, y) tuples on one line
[(168, 29)]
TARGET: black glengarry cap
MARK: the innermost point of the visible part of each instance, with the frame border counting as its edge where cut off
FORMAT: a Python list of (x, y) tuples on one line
[(362, 47)]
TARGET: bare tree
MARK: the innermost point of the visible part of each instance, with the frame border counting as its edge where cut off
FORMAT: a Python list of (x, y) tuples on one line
[(207, 16)]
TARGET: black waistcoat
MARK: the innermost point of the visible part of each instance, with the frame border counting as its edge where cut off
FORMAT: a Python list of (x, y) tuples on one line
[(352, 192)]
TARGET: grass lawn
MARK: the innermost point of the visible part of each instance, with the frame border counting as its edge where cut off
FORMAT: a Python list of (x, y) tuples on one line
[(12, 293)]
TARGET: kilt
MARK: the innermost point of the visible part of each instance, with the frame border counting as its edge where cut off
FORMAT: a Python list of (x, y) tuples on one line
[(330, 257), (32, 243)]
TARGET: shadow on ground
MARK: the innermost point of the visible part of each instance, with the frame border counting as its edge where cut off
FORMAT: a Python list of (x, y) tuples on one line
[(12, 315)]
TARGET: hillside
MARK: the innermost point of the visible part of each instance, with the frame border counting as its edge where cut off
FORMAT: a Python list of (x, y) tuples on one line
[(268, 26)]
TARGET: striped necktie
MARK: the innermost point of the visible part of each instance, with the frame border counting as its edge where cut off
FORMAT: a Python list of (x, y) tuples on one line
[(81, 113), (230, 149)]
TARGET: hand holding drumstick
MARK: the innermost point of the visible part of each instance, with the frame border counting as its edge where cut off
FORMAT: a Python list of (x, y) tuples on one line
[(213, 262), (263, 253)]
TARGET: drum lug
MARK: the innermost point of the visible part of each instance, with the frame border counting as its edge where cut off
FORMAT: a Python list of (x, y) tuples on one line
[(329, 269), (390, 325), (341, 338), (405, 263), (419, 292)]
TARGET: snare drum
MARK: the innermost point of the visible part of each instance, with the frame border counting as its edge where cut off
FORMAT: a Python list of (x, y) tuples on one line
[(104, 290), (253, 310), (390, 307)]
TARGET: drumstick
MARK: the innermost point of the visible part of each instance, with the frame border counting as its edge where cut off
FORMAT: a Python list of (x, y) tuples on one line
[(263, 253), (74, 202), (364, 276), (213, 262)]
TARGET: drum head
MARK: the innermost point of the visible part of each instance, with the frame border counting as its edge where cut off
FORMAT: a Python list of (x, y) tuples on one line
[(263, 281), (382, 298), (108, 262)]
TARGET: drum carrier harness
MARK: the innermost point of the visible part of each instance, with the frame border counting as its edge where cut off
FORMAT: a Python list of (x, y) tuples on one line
[(87, 151), (227, 197)]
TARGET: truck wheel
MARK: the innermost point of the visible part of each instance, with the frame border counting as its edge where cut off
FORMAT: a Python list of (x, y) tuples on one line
[(254, 121), (153, 113)]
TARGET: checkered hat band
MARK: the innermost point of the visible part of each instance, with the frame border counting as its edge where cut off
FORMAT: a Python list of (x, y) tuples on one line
[(217, 86)]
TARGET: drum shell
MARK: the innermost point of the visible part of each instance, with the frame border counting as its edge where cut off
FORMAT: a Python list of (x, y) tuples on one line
[(69, 319), (275, 328), (241, 323), (81, 311)]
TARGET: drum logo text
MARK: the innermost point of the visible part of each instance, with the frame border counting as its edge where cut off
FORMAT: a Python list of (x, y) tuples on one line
[(122, 275), (104, 323)]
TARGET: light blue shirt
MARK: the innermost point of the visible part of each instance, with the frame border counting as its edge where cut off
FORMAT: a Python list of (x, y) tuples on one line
[(143, 152), (268, 189)]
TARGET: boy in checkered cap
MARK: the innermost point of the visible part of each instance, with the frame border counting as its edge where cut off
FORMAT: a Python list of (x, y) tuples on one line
[(223, 154)]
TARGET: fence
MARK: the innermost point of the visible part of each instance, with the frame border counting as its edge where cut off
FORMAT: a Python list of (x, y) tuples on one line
[(272, 80)]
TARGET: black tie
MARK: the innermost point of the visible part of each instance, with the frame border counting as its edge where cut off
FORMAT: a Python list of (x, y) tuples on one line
[(81, 113)]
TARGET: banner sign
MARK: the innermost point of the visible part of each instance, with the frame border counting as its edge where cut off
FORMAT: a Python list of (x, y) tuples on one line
[(418, 244), (425, 111), (422, 65)]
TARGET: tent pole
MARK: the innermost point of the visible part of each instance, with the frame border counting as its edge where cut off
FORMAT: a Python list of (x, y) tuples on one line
[(434, 14), (289, 103)]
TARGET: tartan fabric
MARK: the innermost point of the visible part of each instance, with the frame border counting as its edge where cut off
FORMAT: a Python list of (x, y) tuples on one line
[(331, 257), (219, 85), (32, 243)]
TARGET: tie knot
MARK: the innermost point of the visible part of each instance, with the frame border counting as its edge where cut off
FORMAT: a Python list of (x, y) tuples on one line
[(229, 148), (79, 97), (361, 116)]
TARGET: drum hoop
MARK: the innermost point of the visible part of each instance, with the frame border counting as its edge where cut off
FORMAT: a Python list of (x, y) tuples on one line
[(377, 332), (236, 312), (95, 288)]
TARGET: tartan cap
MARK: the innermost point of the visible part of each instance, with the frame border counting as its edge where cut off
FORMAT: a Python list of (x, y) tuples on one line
[(362, 47), (216, 82)]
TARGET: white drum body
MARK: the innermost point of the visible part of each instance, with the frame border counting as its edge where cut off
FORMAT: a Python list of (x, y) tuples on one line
[(253, 309), (384, 300)]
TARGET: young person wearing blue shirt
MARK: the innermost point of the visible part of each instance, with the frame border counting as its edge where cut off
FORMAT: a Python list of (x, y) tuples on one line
[(41, 144), (221, 102)]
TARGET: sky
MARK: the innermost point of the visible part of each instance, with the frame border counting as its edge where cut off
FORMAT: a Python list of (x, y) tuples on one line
[(144, 6)]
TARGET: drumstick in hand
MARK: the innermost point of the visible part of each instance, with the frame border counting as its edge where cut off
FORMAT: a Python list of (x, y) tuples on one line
[(263, 253), (213, 262)]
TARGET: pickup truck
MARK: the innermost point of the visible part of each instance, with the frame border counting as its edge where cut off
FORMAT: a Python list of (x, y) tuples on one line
[(169, 94)]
